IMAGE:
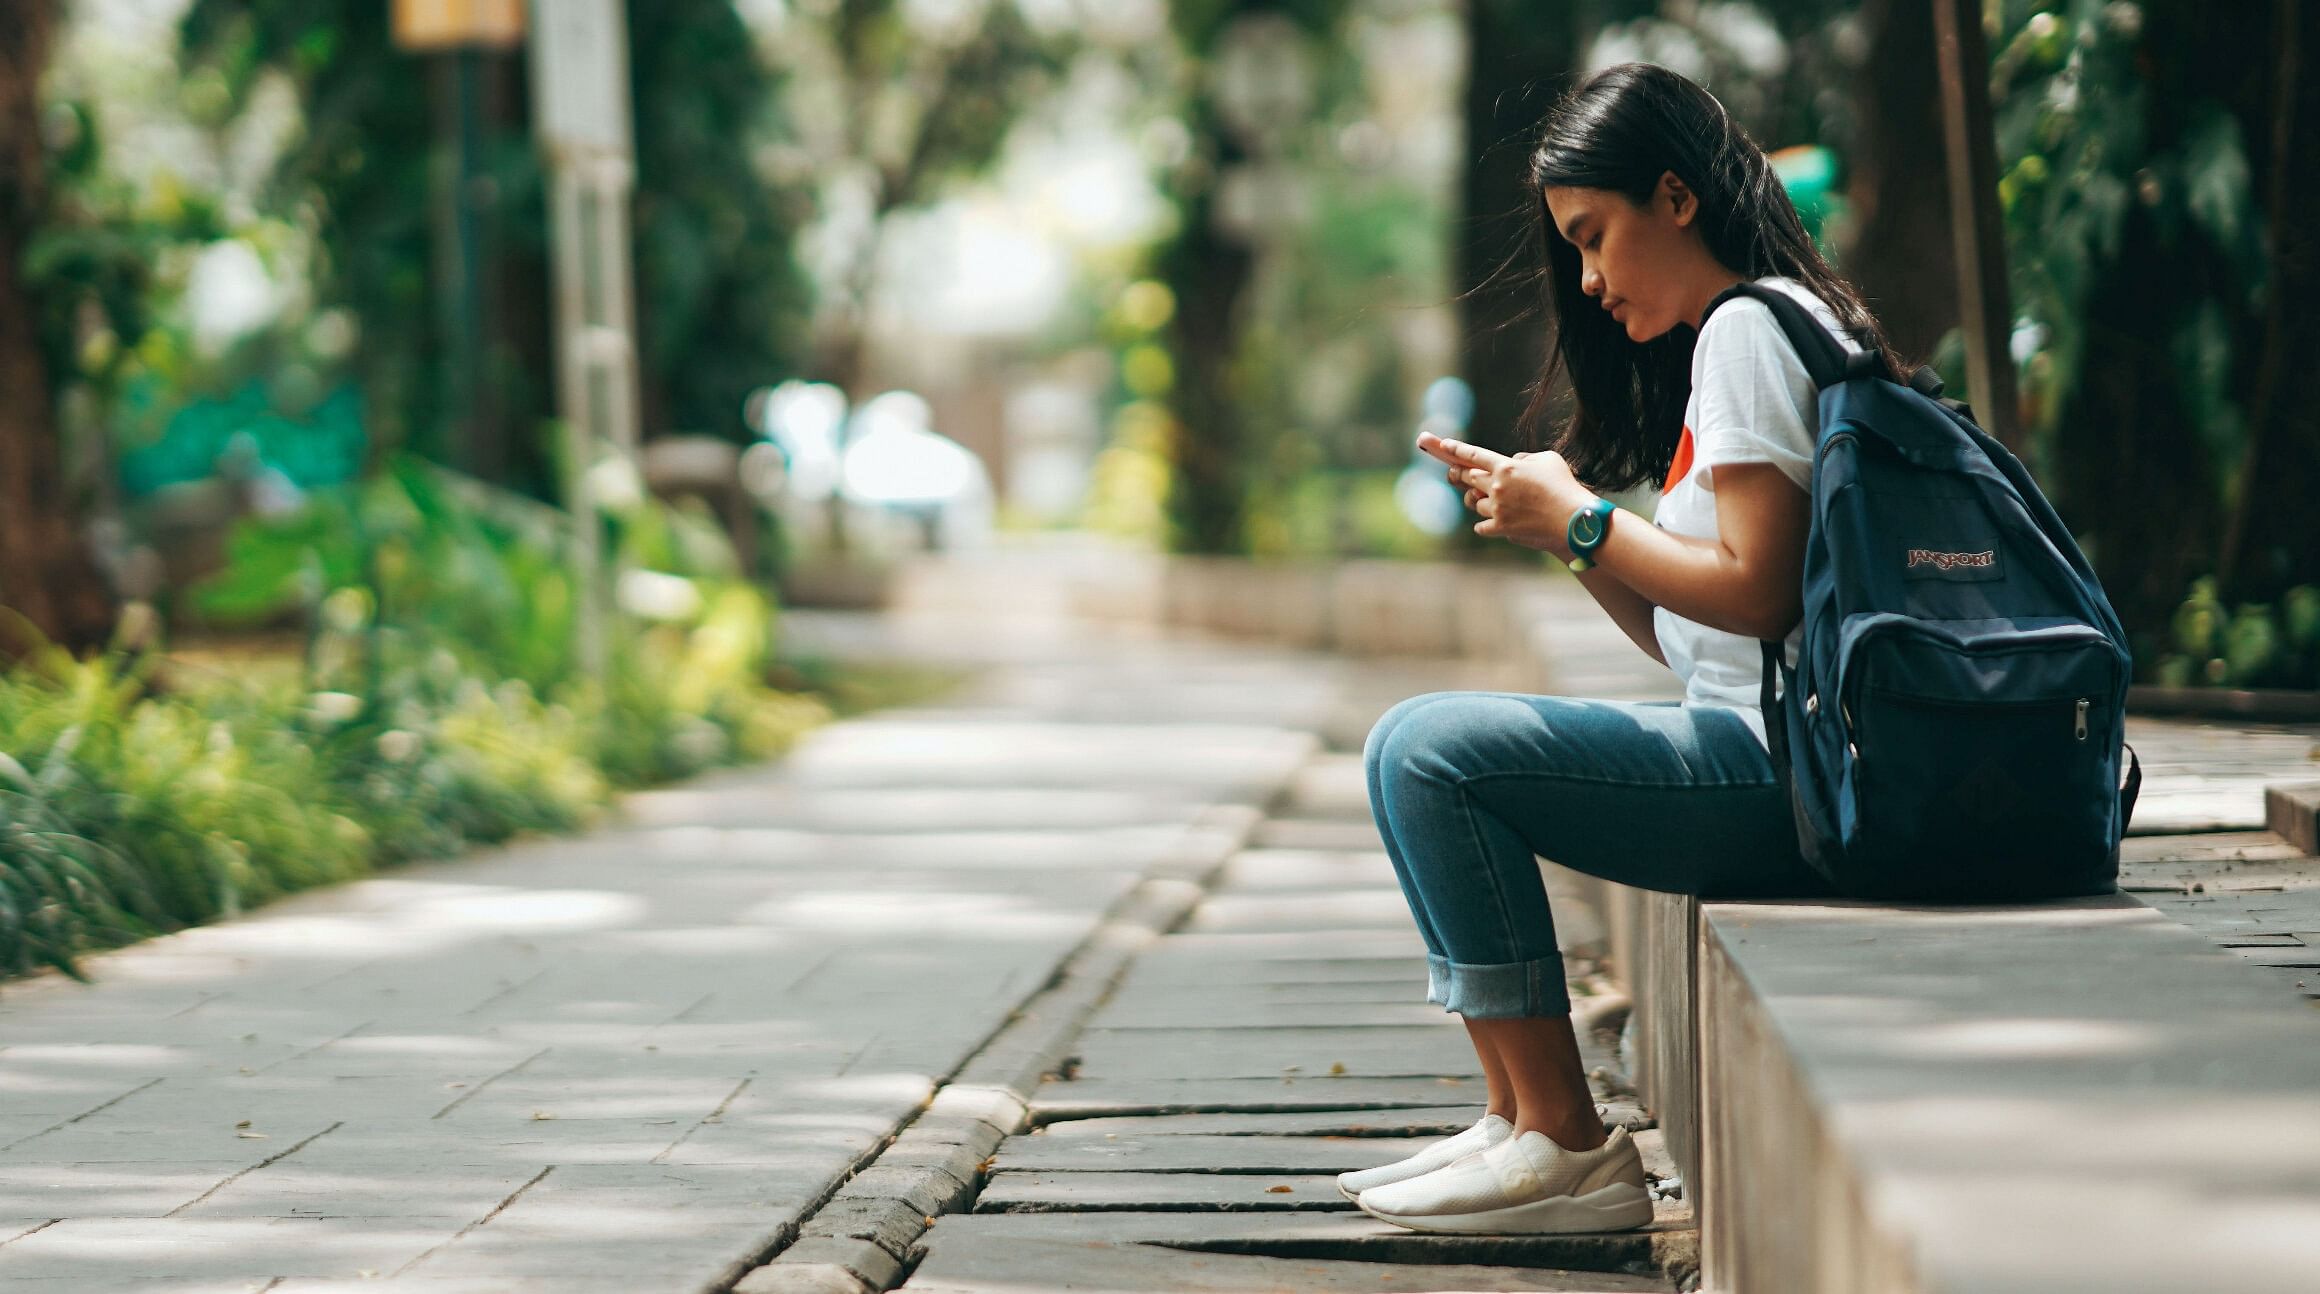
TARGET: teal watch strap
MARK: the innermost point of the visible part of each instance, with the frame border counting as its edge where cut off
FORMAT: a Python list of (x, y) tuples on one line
[(1588, 528)]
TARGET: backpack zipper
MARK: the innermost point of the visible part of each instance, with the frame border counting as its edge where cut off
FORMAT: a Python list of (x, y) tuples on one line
[(2083, 703)]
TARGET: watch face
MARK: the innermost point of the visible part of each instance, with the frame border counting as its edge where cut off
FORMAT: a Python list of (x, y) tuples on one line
[(1587, 529)]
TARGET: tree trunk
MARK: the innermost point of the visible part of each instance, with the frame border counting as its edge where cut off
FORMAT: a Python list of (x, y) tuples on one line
[(1899, 253), (2273, 538), (1209, 271), (46, 573)]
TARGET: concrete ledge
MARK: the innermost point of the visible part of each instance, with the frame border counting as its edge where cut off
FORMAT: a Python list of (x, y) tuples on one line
[(2081, 1096), (2293, 812)]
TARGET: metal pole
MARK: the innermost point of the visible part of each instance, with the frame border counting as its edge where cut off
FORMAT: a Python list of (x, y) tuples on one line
[(1977, 224)]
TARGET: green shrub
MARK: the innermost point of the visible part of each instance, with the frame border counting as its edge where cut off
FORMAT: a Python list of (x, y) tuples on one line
[(440, 702)]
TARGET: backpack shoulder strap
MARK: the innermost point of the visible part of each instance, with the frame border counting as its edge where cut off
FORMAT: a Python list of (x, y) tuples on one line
[(1827, 362)]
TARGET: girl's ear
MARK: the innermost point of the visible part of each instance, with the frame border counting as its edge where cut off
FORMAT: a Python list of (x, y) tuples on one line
[(1683, 204)]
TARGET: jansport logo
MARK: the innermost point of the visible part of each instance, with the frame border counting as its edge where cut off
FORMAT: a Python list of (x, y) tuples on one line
[(1920, 557)]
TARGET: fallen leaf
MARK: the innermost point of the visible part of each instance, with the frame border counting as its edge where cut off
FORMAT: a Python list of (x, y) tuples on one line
[(1280, 1190), (243, 1124), (541, 1116), (1337, 1068), (251, 1136)]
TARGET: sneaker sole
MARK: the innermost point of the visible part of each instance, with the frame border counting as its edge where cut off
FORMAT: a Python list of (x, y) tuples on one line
[(1617, 1207)]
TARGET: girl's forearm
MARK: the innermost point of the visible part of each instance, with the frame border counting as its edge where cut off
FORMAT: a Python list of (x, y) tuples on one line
[(1698, 579), (1628, 609)]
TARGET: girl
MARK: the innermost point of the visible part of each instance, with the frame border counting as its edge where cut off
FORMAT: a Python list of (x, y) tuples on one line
[(1650, 202)]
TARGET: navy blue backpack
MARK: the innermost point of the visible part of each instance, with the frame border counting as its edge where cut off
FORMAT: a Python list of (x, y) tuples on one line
[(1955, 725)]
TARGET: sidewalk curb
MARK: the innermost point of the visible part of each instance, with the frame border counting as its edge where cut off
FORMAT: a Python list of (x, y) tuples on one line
[(862, 1240), (2292, 810)]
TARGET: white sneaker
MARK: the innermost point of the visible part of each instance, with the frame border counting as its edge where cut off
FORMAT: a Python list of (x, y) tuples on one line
[(1487, 1131), (1525, 1185)]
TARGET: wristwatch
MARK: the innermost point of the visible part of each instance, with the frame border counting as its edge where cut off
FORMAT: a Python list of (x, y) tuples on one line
[(1588, 529)]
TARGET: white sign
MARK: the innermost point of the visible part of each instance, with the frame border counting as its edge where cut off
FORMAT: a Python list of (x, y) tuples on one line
[(580, 76)]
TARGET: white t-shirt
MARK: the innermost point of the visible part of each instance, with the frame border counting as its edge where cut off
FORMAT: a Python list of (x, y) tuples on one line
[(1751, 402)]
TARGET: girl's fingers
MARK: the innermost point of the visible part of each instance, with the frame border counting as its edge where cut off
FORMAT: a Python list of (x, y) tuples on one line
[(1457, 453)]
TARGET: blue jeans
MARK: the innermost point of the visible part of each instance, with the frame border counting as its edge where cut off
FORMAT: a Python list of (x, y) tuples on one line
[(1467, 787)]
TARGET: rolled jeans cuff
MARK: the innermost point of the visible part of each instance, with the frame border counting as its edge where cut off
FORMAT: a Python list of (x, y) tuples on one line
[(1506, 990)]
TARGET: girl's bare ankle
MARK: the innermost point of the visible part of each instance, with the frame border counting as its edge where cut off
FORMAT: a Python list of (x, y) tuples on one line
[(1581, 1136)]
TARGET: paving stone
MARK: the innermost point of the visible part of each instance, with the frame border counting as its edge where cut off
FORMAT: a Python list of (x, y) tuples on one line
[(1097, 1192), (1288, 832), (1396, 990), (891, 1224), (118, 1189), (1265, 871), (1207, 1011), (868, 1265), (1381, 1051), (807, 1278), (1291, 946), (1255, 975), (1098, 1098), (1379, 909), (1194, 1153), (1170, 1251), (2249, 845), (1420, 1121), (975, 1267), (664, 1227), (926, 1189), (1424, 1121), (108, 1253)]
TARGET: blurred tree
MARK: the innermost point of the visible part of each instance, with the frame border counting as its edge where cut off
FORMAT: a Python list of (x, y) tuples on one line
[(1519, 60), (2137, 260), (2272, 539), (913, 102), (46, 572), (722, 305), (720, 301), (1898, 251), (1209, 264), (359, 173)]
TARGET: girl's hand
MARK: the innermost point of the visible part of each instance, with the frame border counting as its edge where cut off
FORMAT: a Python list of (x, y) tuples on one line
[(1525, 499)]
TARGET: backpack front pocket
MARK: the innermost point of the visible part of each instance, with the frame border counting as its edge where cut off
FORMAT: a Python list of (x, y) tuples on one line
[(1983, 753)]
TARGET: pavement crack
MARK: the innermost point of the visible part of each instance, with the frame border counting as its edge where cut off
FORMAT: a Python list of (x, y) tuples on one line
[(205, 1000), (29, 1231), (856, 1058), (687, 1014), (99, 1109), (712, 1116), (274, 1158), (516, 987), (463, 1096), (496, 1210), (299, 1055)]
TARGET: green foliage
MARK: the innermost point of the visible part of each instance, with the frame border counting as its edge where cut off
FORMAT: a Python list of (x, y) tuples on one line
[(720, 300), (1328, 515), (440, 703), (2257, 646), (721, 304), (2071, 86)]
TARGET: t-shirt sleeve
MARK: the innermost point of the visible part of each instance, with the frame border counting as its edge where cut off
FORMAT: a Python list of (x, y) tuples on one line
[(1755, 402)]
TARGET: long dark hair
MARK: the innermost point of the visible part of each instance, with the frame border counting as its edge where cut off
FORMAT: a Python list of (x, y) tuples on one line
[(1621, 130)]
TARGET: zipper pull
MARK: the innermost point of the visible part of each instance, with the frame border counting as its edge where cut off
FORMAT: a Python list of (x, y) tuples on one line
[(2083, 704)]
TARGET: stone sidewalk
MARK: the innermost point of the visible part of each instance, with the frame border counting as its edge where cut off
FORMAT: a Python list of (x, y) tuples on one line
[(644, 1059), (631, 1060), (1189, 1139)]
